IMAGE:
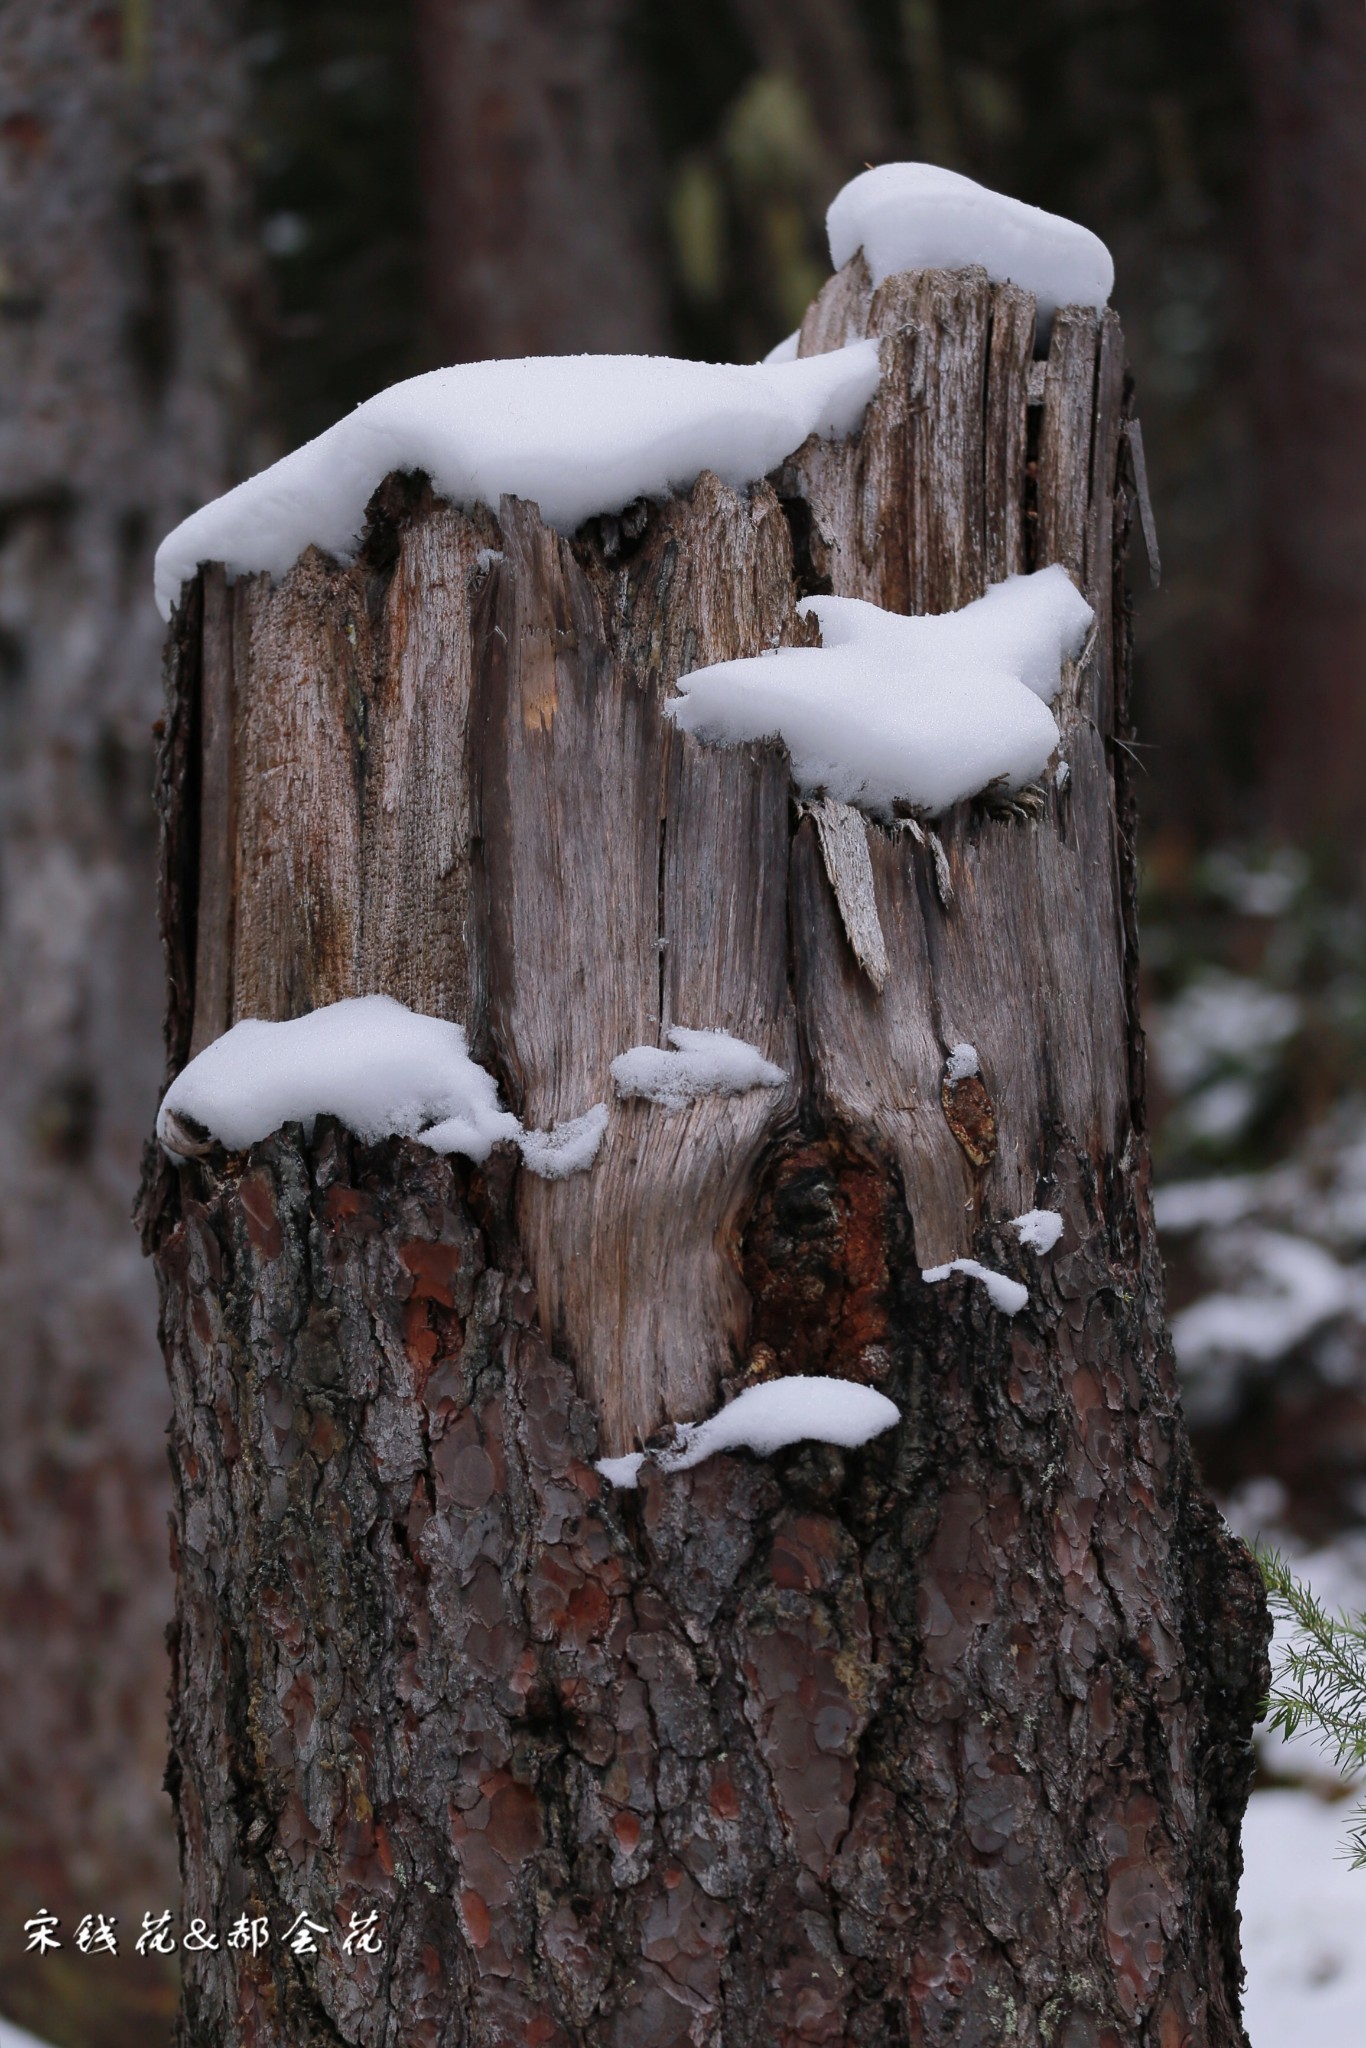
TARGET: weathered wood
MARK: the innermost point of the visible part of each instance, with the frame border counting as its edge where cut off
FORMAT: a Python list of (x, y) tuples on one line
[(849, 871), (871, 1749), (216, 900), (1007, 431)]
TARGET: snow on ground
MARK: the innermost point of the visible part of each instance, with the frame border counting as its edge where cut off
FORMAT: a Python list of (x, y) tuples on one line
[(766, 1419), (578, 435), (1004, 1293), (1304, 1925), (702, 1063), (918, 711), (1303, 1907), (920, 217)]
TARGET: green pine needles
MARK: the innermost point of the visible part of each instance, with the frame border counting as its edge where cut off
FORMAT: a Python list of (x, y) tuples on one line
[(1320, 1683)]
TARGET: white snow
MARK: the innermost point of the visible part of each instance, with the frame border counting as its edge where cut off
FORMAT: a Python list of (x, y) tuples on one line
[(702, 1063), (1303, 1907), (1257, 889), (765, 1419), (1006, 1294), (15, 2037), (961, 1063), (785, 351), (1221, 1017), (577, 434), (1040, 1229), (925, 711), (379, 1067), (1295, 1286), (568, 1148), (1304, 1925), (920, 217), (1186, 1205)]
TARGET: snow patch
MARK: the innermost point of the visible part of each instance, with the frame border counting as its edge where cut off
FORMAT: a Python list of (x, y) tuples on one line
[(568, 1148), (921, 217), (15, 2037), (1223, 1199), (702, 1063), (888, 710), (1304, 1930), (1218, 1018), (378, 1066), (961, 1064), (766, 1419), (1004, 1293), (1296, 1286), (578, 435), (1040, 1229)]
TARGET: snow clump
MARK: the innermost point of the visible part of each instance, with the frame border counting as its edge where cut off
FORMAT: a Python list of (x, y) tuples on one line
[(1040, 1229), (571, 1147), (921, 217), (578, 435), (913, 711), (702, 1063), (767, 1418), (1006, 1294), (378, 1066)]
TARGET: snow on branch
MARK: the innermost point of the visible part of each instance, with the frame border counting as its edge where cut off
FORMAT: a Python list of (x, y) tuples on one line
[(918, 712), (578, 435), (766, 1419)]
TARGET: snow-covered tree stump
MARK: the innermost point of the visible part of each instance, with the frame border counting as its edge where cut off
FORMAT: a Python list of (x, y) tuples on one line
[(941, 1739)]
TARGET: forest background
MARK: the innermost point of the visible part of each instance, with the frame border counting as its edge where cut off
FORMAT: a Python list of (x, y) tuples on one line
[(223, 226)]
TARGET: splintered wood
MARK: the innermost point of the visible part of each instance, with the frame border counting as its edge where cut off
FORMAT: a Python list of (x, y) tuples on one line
[(445, 773)]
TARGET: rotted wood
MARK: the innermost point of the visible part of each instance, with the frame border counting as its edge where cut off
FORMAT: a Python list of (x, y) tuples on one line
[(943, 1741)]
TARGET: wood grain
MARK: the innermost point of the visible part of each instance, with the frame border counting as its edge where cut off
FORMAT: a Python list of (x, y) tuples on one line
[(464, 791)]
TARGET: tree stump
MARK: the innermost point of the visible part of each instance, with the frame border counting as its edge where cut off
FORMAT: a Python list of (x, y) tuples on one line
[(947, 1739)]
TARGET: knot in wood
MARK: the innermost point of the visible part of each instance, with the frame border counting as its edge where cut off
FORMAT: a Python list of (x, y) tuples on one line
[(971, 1116)]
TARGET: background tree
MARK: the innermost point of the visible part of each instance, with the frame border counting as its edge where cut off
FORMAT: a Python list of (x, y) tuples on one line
[(124, 298)]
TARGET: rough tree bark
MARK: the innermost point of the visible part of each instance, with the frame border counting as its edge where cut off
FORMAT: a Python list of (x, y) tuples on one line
[(947, 1740), (121, 405)]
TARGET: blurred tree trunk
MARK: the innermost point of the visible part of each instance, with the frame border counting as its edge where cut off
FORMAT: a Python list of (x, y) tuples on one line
[(539, 181), (1308, 65), (942, 1741), (121, 396)]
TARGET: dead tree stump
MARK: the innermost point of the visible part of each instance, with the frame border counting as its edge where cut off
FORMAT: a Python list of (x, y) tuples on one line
[(942, 1740)]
